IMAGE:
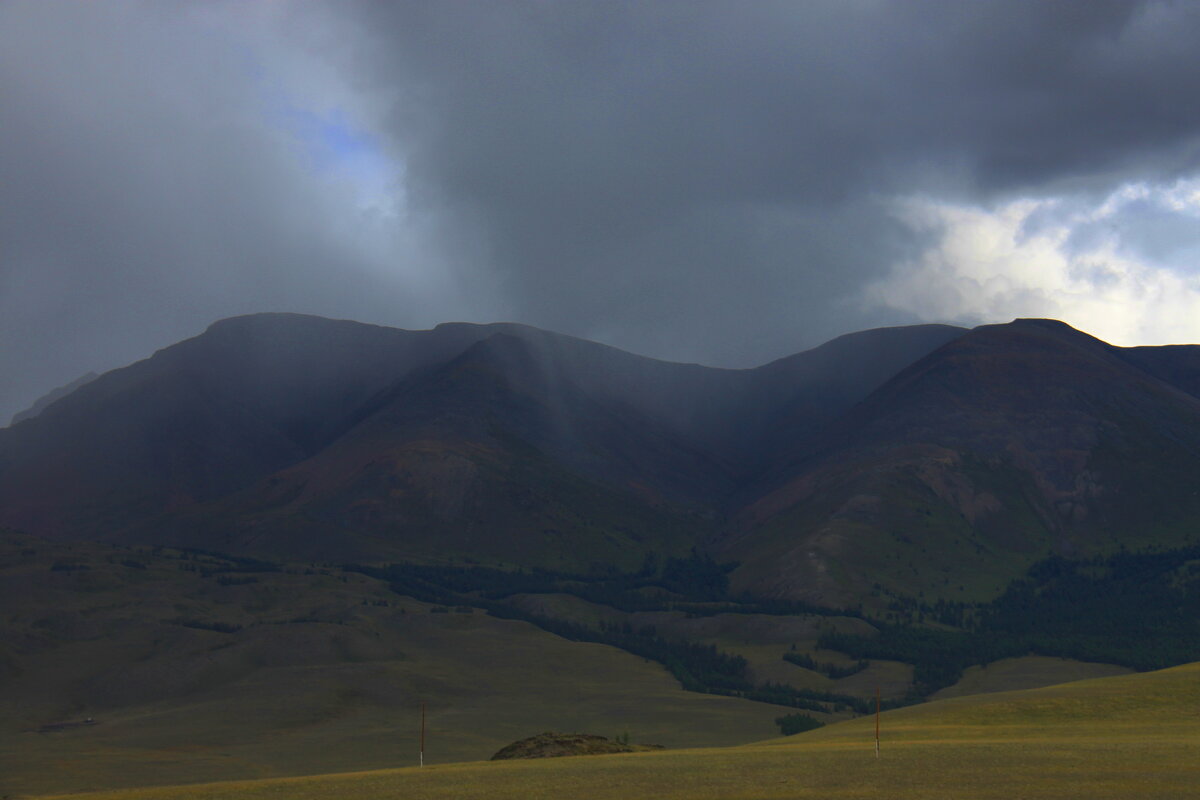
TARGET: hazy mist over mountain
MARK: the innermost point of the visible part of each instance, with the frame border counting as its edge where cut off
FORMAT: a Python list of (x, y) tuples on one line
[(293, 436), (702, 182)]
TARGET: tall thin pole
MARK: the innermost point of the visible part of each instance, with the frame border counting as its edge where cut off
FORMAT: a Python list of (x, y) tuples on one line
[(423, 734), (877, 722)]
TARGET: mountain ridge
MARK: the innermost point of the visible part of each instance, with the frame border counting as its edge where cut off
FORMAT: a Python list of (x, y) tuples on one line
[(997, 439), (962, 455)]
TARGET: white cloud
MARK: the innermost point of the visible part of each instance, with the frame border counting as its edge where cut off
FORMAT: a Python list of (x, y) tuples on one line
[(1065, 258)]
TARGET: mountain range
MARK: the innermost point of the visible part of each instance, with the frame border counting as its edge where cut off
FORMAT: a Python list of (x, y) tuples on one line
[(927, 460)]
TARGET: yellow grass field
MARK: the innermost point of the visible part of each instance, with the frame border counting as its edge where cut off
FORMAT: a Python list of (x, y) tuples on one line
[(1026, 672), (1130, 736)]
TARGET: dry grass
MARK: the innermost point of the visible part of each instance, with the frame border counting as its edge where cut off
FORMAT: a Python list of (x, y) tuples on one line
[(1026, 672), (1121, 737)]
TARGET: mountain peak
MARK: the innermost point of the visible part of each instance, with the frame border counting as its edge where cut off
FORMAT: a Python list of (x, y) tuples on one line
[(1043, 322)]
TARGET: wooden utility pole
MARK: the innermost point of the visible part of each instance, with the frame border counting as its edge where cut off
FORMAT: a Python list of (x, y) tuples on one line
[(422, 762), (877, 722)]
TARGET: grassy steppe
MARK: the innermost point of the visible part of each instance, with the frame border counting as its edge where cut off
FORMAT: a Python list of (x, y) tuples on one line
[(1119, 737), (316, 671), (1026, 672)]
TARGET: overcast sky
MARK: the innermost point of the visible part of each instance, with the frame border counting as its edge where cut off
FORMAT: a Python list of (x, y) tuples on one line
[(722, 182)]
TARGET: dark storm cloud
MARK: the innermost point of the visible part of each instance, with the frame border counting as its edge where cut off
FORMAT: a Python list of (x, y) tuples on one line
[(694, 180), (144, 195), (701, 176)]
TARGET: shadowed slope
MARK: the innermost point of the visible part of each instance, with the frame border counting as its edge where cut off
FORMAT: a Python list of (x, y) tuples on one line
[(295, 435), (869, 460), (196, 421), (41, 403), (496, 454), (995, 449), (1177, 364)]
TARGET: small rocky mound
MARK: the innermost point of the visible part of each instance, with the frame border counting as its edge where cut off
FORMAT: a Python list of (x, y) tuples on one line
[(552, 745)]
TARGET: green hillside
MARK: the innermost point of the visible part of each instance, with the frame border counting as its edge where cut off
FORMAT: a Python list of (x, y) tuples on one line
[(197, 668), (1103, 739)]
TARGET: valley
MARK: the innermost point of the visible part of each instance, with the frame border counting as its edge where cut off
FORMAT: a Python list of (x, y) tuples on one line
[(1105, 738), (195, 668), (257, 553)]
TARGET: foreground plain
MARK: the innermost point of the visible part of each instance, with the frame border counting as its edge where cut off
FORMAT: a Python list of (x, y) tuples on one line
[(192, 678), (1119, 737)]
